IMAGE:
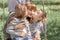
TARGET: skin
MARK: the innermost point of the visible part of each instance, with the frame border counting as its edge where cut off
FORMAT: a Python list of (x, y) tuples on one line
[(20, 26), (37, 16)]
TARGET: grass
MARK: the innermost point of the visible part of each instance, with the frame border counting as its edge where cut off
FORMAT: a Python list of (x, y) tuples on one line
[(53, 19), (3, 1)]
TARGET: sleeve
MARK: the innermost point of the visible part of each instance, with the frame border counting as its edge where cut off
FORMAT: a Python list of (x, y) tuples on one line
[(41, 27), (28, 28), (10, 28)]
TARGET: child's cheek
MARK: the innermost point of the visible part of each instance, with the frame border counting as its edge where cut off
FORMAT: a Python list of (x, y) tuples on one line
[(26, 14), (40, 18)]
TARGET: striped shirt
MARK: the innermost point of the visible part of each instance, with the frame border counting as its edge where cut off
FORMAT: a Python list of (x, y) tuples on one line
[(14, 22)]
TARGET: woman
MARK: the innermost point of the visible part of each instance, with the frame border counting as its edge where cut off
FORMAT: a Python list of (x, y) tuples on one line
[(11, 8), (14, 27)]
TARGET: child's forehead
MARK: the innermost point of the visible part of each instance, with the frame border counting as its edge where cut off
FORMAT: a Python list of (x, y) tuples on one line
[(37, 12)]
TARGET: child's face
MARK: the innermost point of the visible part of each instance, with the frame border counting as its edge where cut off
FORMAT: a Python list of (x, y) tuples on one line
[(40, 14), (37, 16)]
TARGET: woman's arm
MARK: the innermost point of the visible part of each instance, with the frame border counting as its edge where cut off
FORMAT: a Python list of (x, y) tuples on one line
[(13, 25), (13, 32), (10, 27), (20, 26)]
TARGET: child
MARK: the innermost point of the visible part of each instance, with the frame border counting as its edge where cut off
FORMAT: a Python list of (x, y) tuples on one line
[(36, 24), (41, 15), (18, 26)]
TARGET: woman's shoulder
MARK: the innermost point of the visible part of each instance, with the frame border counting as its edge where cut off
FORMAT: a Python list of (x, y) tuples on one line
[(15, 20)]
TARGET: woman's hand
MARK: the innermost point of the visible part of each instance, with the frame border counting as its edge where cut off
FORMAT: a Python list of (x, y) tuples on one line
[(20, 26), (22, 34)]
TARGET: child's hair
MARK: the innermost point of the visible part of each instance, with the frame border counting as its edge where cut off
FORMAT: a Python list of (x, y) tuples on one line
[(31, 6), (44, 14)]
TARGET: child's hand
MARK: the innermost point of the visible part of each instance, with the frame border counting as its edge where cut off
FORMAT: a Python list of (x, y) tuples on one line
[(22, 34), (20, 26), (36, 36), (35, 39)]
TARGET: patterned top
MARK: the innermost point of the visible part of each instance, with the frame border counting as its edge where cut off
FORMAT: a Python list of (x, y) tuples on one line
[(36, 26)]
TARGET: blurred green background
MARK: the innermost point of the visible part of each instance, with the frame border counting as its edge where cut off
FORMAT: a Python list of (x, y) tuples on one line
[(52, 8)]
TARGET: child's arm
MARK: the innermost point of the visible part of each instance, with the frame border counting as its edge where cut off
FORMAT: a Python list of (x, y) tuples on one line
[(36, 36)]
